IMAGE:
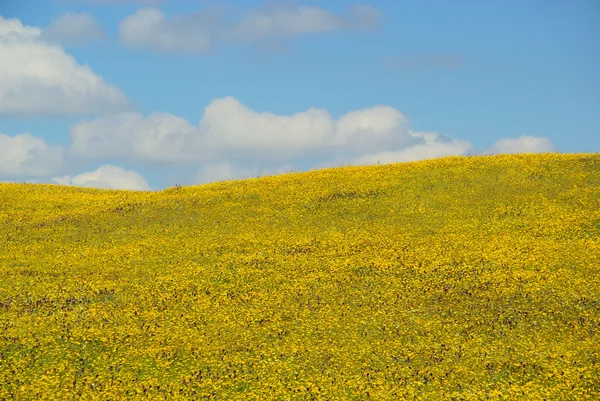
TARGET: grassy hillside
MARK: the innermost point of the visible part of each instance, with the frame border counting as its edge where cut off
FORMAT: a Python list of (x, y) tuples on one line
[(455, 278)]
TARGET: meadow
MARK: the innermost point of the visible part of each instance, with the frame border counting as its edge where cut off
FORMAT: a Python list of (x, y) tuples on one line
[(459, 278)]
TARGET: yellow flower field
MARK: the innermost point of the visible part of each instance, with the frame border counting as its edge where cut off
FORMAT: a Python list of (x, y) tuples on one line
[(462, 278)]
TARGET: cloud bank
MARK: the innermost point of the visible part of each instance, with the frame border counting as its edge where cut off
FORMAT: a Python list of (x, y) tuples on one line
[(228, 130), (232, 141)]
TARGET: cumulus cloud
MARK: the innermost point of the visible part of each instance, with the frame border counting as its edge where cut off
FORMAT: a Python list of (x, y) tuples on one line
[(373, 129), (73, 29), (107, 176), (226, 128), (158, 138), (229, 126), (523, 144), (26, 156), (199, 31), (234, 141), (37, 78)]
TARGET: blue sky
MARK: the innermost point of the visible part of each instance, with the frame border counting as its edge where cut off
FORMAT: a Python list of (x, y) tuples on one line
[(193, 91)]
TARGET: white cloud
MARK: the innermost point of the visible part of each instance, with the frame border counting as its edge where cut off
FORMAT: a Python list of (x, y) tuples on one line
[(226, 128), (73, 29), (229, 126), (37, 78), (230, 132), (26, 156), (523, 144), (373, 129), (107, 176), (13, 31), (158, 138), (199, 31)]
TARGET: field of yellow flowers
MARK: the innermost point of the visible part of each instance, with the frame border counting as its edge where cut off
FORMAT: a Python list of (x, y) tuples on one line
[(461, 278)]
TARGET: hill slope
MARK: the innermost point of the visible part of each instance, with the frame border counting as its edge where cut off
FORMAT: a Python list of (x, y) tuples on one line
[(455, 277)]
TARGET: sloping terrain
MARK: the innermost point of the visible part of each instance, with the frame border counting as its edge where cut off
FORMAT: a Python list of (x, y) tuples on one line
[(460, 277)]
